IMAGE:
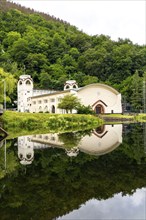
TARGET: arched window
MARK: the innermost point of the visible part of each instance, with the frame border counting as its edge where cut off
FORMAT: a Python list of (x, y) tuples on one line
[(28, 82), (46, 109), (20, 83), (67, 87), (21, 156), (40, 109), (74, 86), (53, 109), (29, 156)]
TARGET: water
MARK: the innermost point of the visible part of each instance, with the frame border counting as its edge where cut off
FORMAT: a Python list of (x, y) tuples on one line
[(79, 175)]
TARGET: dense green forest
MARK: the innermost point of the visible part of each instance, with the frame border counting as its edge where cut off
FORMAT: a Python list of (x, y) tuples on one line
[(52, 51)]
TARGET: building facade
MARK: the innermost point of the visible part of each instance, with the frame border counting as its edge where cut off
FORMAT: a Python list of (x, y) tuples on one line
[(102, 98)]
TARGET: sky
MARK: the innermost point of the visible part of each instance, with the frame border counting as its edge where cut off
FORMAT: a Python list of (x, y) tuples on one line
[(118, 207), (115, 18)]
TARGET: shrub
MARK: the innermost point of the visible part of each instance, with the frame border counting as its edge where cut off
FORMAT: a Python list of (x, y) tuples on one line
[(82, 109)]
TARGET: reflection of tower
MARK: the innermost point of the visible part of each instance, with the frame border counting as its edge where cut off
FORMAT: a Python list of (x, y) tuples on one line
[(25, 150), (70, 84), (73, 152), (24, 91)]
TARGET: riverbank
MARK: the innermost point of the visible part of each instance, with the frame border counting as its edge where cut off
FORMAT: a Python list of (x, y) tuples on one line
[(17, 121), (121, 118)]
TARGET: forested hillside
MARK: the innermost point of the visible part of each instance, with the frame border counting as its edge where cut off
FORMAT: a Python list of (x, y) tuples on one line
[(52, 51)]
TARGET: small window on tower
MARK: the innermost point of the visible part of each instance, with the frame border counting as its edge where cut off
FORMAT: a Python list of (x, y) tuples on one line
[(28, 82), (74, 86), (67, 87)]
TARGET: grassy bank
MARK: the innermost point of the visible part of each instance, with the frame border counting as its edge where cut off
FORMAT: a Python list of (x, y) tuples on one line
[(19, 122)]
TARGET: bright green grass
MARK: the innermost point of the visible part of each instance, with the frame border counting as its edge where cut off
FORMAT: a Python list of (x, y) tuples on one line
[(16, 123)]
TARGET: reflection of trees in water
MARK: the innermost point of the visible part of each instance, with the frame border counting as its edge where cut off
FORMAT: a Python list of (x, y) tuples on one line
[(72, 139), (55, 184), (133, 143)]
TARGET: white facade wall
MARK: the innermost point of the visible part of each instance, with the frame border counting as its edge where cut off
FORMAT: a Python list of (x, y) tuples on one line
[(95, 94), (47, 103)]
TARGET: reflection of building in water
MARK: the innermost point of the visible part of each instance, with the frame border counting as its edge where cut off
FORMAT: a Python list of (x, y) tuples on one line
[(102, 140), (47, 139), (27, 145)]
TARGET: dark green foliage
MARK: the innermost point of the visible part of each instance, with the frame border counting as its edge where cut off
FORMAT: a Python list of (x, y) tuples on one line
[(48, 48)]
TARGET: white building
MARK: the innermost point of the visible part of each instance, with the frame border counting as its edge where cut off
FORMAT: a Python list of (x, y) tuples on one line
[(102, 98)]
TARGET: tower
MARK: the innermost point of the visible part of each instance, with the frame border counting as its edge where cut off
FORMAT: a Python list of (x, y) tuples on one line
[(70, 84), (24, 91)]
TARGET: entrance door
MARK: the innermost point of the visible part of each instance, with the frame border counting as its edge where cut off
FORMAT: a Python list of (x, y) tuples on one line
[(53, 109), (99, 109)]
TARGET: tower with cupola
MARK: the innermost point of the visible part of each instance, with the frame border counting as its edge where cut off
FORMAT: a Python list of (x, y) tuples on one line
[(24, 92), (70, 84)]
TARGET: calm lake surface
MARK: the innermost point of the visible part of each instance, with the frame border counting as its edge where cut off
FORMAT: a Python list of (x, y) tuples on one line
[(98, 174)]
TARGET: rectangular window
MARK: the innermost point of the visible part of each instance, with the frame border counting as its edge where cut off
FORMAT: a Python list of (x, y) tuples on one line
[(59, 99), (34, 102), (39, 101), (45, 101), (52, 100)]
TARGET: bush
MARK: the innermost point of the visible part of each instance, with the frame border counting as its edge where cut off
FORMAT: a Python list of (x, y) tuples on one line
[(82, 109)]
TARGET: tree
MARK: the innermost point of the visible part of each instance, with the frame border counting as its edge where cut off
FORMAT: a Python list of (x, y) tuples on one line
[(10, 84), (11, 38), (136, 96), (69, 102)]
